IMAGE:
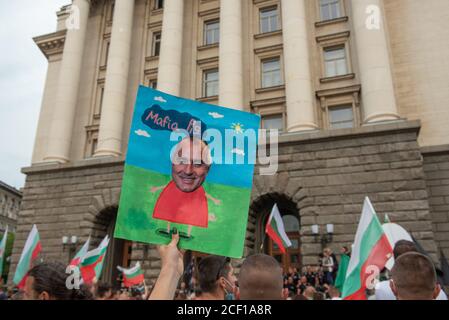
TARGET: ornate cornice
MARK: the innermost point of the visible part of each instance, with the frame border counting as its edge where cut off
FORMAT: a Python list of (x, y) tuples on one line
[(52, 43)]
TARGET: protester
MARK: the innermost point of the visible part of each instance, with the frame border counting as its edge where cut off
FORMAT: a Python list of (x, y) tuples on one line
[(47, 281), (104, 291), (345, 256), (216, 278), (328, 266), (260, 278), (309, 293), (414, 278), (334, 293), (383, 290), (291, 286), (302, 285), (171, 270)]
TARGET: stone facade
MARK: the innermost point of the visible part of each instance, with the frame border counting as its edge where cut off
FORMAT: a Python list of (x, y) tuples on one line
[(10, 199), (323, 178), (392, 85), (436, 168)]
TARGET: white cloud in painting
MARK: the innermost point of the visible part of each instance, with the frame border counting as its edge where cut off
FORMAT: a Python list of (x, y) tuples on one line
[(216, 115), (160, 99), (142, 133)]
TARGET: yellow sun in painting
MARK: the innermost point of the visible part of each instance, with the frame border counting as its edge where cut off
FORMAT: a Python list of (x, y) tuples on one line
[(238, 127)]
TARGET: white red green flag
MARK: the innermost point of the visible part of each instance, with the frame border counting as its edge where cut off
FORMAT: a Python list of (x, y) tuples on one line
[(2, 250), (89, 266), (29, 254), (133, 276), (370, 253), (276, 231), (81, 253)]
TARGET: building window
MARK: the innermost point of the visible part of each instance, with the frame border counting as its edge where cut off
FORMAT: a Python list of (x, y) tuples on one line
[(106, 53), (271, 73), (273, 122), (335, 62), (111, 13), (211, 32), (330, 9), (158, 4), (152, 83), (100, 103), (210, 83), (341, 117), (94, 146), (269, 20), (156, 46)]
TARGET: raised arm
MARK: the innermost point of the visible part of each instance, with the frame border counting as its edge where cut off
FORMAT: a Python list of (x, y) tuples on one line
[(156, 189), (216, 201), (171, 270)]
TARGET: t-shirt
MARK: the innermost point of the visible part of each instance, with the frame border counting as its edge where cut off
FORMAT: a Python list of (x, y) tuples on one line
[(384, 292)]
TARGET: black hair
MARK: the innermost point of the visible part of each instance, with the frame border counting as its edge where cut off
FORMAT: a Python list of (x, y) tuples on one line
[(102, 289), (403, 246), (51, 277), (210, 269)]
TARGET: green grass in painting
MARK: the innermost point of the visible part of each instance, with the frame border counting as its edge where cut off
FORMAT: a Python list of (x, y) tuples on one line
[(225, 236)]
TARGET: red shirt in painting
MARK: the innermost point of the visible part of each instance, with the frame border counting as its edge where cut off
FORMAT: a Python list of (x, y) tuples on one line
[(176, 206)]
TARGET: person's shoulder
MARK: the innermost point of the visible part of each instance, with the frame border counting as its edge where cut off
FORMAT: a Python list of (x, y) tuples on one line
[(383, 291), (442, 295)]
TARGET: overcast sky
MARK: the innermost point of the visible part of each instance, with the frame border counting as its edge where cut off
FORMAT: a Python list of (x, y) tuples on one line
[(22, 76)]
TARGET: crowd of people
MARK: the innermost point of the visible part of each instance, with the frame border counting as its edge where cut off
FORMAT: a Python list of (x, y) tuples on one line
[(260, 277)]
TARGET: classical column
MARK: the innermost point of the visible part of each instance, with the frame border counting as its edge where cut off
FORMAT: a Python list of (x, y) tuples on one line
[(298, 79), (379, 103), (170, 58), (61, 125), (230, 65), (115, 90)]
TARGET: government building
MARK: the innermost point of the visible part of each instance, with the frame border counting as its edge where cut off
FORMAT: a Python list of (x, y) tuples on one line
[(359, 90)]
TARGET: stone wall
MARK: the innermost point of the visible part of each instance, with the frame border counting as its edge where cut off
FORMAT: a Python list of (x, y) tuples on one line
[(328, 175), (65, 200), (323, 177), (436, 167)]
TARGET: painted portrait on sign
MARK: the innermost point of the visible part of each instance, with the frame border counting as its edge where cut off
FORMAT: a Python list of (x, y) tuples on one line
[(184, 170)]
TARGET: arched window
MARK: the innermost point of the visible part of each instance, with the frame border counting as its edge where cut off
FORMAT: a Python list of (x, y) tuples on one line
[(291, 223)]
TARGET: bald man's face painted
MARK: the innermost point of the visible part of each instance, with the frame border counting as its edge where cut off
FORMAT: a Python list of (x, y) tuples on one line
[(190, 165)]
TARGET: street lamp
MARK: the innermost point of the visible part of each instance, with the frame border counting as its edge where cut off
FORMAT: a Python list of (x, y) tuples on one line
[(70, 243), (325, 238)]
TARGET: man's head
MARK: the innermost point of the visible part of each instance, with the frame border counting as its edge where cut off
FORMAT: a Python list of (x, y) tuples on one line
[(216, 276), (47, 281), (190, 164), (403, 246), (344, 250), (104, 291), (260, 278), (333, 292), (413, 277), (309, 293)]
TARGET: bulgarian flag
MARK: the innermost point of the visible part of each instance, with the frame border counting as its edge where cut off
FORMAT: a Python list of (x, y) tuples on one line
[(91, 260), (29, 254), (79, 256), (2, 250), (276, 231), (370, 253), (133, 276)]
